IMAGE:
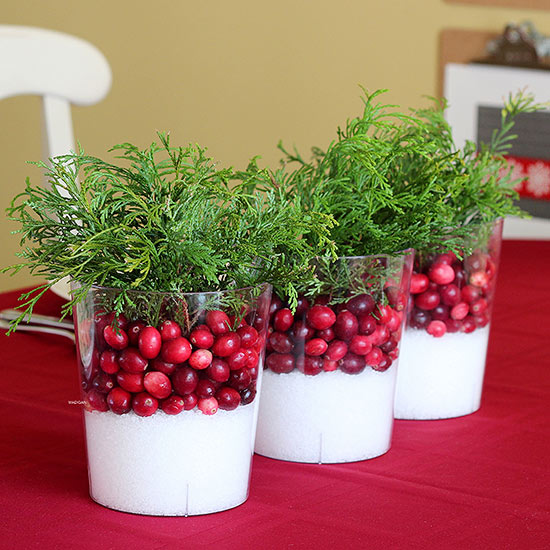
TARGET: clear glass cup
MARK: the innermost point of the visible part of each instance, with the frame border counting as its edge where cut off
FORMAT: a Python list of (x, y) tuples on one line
[(330, 370), (170, 391), (444, 346)]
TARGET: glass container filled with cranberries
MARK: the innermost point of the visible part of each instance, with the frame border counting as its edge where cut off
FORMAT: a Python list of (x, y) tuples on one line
[(330, 370), (445, 343), (170, 391)]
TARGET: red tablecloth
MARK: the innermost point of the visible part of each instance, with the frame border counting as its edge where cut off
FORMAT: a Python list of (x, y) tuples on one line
[(480, 481)]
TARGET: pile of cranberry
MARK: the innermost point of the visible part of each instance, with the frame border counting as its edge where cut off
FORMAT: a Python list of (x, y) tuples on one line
[(451, 295), (146, 368), (349, 336)]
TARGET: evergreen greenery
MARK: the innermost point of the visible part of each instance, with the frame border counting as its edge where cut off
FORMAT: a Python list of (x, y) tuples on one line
[(163, 219)]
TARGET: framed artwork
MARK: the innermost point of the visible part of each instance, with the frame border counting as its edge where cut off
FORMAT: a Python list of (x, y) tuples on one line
[(476, 94)]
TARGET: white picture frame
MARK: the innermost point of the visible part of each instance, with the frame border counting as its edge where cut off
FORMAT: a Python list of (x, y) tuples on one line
[(469, 86)]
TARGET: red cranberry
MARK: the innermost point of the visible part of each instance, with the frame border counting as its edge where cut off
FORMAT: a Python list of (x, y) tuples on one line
[(478, 278), (240, 379), (238, 359), (394, 323), (200, 359), (226, 344), (302, 306), (327, 334), (205, 388), (248, 336), (96, 401), (169, 330), (157, 384), (228, 398), (218, 371), (248, 395), (459, 311), (460, 275), (120, 321), (352, 364), (116, 338), (316, 346), (453, 325), (440, 312), (163, 366), (470, 294), (281, 343), (149, 342), (208, 406), (133, 330), (360, 345), (131, 360), (321, 317), (476, 262), (450, 294), (301, 332), (176, 350), (380, 335), (362, 304), (144, 404), (201, 338), (468, 324), (103, 382), (427, 300), (446, 258), (173, 404), (389, 345), (336, 350), (479, 306), (367, 325), (257, 321), (280, 362), (373, 357), (383, 365), (252, 358), (218, 322), (346, 325), (185, 380), (190, 401), (384, 314), (481, 320), (130, 381), (441, 273), (309, 365), (109, 361), (329, 365), (419, 283), (283, 320), (396, 298), (275, 305), (419, 318), (119, 401), (437, 329)]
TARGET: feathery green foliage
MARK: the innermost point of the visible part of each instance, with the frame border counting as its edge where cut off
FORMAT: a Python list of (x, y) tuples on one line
[(394, 181), (162, 219)]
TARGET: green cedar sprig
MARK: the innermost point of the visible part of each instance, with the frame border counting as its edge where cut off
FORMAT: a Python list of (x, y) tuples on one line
[(161, 219)]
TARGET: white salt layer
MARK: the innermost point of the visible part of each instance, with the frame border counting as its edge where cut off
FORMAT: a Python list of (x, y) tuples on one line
[(328, 418), (440, 377), (165, 465)]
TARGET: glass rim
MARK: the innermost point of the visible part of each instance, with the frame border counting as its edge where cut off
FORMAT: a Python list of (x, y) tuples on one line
[(399, 254)]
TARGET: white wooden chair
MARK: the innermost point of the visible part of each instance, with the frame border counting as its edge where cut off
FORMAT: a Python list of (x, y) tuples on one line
[(61, 68)]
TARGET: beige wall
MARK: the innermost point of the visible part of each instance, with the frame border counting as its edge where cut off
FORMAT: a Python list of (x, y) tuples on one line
[(234, 76)]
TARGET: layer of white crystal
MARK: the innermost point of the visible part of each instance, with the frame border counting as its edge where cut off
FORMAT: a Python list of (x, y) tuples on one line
[(185, 464), (327, 418), (440, 377)]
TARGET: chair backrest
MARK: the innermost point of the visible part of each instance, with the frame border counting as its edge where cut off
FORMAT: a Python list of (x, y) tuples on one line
[(59, 67)]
